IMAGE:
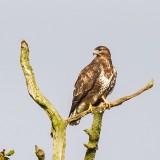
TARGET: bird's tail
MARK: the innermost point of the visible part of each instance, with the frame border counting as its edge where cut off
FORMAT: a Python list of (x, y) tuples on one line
[(76, 122)]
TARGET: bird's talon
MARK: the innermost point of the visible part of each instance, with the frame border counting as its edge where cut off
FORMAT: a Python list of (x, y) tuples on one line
[(90, 107), (107, 103)]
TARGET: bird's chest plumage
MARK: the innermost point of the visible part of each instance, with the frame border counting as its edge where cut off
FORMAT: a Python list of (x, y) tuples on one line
[(104, 83)]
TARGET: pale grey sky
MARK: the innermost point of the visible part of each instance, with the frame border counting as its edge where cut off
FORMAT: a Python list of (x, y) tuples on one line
[(61, 36)]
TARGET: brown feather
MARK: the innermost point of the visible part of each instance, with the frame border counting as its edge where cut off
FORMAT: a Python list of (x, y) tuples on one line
[(85, 83)]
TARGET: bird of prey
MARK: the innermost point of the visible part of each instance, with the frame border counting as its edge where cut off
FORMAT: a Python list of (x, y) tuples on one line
[(95, 82)]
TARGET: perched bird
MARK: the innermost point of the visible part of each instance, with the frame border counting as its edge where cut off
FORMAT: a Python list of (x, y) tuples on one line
[(95, 82)]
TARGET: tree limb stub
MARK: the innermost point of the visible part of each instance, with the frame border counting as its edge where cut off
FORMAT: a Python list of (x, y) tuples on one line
[(118, 102), (39, 153)]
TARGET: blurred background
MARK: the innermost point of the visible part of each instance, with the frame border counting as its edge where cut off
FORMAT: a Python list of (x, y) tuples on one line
[(62, 36)]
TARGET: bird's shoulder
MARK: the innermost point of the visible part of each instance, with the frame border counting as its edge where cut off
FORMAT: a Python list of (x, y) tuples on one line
[(87, 78), (91, 71)]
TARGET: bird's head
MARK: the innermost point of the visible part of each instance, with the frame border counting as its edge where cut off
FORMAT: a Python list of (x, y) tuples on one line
[(101, 51)]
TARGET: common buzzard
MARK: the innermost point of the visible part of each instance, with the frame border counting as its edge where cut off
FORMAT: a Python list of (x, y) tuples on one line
[(95, 82)]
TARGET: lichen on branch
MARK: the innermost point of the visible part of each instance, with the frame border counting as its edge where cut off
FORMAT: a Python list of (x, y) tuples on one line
[(94, 135), (32, 87), (58, 126)]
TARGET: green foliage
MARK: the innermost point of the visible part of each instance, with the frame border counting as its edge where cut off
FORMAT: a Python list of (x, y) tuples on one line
[(4, 155)]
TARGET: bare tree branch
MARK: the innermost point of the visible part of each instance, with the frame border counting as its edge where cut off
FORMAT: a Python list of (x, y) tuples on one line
[(32, 87), (58, 124), (104, 106)]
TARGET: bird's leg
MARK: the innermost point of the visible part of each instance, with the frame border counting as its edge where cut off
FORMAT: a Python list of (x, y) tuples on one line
[(107, 103), (90, 107)]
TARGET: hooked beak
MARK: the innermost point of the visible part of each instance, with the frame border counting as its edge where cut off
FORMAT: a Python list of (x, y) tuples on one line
[(96, 52)]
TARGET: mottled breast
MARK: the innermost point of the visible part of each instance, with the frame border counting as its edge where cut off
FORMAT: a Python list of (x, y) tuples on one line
[(105, 82)]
